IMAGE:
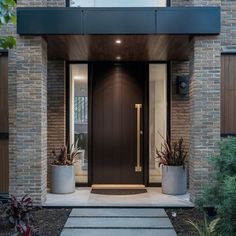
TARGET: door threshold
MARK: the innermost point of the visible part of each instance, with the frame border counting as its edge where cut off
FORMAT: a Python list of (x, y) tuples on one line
[(118, 186)]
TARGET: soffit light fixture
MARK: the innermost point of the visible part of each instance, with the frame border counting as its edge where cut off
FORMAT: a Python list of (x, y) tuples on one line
[(118, 41)]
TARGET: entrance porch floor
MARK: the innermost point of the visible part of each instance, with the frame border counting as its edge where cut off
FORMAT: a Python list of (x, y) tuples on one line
[(82, 197)]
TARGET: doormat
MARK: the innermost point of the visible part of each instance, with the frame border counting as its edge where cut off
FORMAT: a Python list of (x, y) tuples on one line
[(118, 191)]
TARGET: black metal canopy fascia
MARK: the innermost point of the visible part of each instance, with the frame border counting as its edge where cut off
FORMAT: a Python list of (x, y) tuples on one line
[(125, 21)]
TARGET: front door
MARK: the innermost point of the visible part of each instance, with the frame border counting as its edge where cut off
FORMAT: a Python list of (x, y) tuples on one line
[(117, 122)]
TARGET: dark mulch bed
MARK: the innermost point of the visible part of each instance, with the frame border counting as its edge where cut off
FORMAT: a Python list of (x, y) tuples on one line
[(49, 221), (179, 217)]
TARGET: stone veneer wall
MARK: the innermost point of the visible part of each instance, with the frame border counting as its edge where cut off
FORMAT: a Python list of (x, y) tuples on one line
[(56, 108)]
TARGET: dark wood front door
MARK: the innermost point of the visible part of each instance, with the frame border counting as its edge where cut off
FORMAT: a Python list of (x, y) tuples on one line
[(116, 88)]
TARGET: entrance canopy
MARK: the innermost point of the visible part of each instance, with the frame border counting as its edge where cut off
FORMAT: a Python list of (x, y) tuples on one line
[(131, 48), (154, 34)]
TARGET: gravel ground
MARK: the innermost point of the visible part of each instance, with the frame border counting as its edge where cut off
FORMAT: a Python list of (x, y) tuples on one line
[(179, 217), (49, 221)]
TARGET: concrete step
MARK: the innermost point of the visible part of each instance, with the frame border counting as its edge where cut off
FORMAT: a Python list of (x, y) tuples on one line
[(113, 212), (118, 223), (118, 232)]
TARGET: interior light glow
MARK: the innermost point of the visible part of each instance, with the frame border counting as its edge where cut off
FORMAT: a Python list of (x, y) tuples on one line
[(77, 77)]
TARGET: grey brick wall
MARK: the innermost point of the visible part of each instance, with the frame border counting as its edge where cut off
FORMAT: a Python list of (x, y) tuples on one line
[(204, 109), (179, 104), (179, 3), (31, 118), (180, 115), (228, 23), (28, 114), (56, 3), (204, 102), (56, 108), (31, 3)]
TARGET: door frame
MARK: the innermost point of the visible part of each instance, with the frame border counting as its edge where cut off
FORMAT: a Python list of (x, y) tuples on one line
[(146, 113)]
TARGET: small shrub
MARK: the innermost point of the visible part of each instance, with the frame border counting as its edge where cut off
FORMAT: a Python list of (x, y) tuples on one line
[(17, 213), (221, 193)]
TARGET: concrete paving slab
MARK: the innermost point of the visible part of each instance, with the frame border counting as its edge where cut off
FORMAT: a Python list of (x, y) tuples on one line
[(118, 232), (83, 197), (113, 212), (118, 222)]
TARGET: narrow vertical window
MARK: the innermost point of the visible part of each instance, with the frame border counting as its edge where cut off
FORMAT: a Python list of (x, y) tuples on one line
[(157, 116), (79, 118)]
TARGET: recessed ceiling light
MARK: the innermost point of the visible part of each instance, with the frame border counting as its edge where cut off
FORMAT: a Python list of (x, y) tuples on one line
[(118, 58), (118, 41)]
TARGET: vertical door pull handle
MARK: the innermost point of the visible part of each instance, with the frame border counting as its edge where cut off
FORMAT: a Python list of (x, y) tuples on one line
[(138, 107)]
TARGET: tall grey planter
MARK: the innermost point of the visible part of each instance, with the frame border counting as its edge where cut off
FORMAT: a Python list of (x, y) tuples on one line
[(174, 180), (63, 179)]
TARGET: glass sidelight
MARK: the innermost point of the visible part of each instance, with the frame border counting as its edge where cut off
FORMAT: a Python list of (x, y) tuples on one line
[(79, 118), (157, 116)]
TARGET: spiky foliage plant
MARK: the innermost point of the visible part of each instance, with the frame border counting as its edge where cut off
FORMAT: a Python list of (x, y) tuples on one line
[(66, 156), (207, 228), (172, 155)]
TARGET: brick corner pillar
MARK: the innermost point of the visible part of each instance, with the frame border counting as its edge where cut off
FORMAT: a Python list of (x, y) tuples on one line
[(31, 119), (30, 136), (204, 109)]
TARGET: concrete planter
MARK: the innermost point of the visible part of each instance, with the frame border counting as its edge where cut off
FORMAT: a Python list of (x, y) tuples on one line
[(63, 179), (174, 180)]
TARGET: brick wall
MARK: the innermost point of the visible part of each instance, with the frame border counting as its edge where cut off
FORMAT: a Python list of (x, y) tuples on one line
[(179, 3), (204, 102), (56, 108), (28, 114), (56, 3), (228, 23), (179, 104), (204, 109), (31, 118)]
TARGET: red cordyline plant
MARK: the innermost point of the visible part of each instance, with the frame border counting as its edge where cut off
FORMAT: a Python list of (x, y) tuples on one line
[(17, 213), (172, 155), (66, 156)]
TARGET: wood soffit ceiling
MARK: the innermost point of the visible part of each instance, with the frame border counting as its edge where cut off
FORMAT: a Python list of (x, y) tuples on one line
[(132, 48)]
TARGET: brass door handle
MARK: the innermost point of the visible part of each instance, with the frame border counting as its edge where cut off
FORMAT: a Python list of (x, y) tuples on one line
[(138, 167)]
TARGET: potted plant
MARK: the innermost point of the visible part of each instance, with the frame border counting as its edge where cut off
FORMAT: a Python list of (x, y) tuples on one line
[(172, 158), (63, 172)]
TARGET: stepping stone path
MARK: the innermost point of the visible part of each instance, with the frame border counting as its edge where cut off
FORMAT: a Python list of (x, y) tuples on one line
[(118, 222)]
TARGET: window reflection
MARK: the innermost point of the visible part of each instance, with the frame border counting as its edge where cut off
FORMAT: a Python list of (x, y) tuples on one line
[(79, 118), (157, 117)]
